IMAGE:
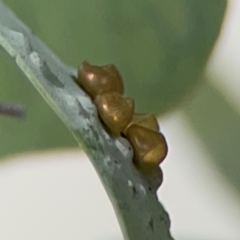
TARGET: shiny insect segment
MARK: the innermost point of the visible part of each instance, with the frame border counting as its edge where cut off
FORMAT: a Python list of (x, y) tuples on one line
[(105, 86)]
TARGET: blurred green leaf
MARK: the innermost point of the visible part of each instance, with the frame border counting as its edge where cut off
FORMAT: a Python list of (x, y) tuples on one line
[(218, 125), (160, 48)]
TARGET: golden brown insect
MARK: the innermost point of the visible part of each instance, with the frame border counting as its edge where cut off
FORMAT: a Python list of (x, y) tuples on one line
[(149, 146), (104, 85), (95, 79), (145, 120), (115, 110)]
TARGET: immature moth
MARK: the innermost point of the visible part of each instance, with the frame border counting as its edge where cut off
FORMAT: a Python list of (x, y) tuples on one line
[(105, 86), (96, 79), (115, 110)]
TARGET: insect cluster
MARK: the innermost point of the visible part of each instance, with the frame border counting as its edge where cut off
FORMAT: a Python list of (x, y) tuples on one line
[(105, 86)]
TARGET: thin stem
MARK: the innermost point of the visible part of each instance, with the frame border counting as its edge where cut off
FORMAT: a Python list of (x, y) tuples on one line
[(12, 110)]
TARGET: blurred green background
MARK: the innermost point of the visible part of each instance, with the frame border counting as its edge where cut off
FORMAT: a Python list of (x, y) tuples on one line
[(160, 47)]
